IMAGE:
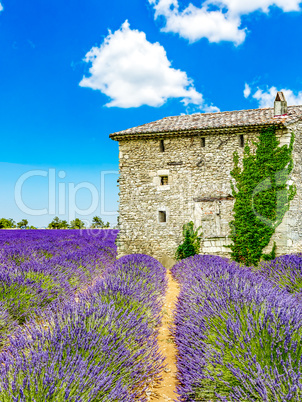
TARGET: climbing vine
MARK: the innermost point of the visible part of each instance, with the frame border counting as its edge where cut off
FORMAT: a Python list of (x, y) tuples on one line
[(262, 196)]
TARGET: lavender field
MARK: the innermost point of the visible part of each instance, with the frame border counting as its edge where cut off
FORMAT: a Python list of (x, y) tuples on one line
[(40, 267), (238, 330), (77, 325)]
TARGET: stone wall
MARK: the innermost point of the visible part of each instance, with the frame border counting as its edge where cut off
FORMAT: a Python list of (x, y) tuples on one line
[(293, 220), (198, 189)]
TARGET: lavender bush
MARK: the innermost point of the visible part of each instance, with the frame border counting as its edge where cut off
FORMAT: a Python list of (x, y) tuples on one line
[(285, 272), (101, 348), (238, 334), (136, 281)]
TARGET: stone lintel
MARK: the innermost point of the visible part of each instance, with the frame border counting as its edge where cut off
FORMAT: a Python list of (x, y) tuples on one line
[(174, 163), (212, 199)]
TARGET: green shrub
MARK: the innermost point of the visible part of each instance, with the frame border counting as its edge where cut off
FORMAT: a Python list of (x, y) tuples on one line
[(191, 244)]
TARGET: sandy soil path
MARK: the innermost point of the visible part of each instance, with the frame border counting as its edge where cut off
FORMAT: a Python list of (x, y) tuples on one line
[(166, 390)]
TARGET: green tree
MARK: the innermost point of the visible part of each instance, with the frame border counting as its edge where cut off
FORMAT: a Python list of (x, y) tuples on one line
[(57, 223), (22, 224), (262, 196), (77, 224), (97, 222), (7, 223), (64, 224), (191, 244)]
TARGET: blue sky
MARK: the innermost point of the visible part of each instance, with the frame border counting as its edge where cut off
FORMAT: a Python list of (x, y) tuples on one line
[(73, 72)]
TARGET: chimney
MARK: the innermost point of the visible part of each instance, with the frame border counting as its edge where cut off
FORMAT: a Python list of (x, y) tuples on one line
[(280, 105)]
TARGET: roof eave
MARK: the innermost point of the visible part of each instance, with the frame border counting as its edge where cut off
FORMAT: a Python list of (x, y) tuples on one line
[(194, 132), (293, 121)]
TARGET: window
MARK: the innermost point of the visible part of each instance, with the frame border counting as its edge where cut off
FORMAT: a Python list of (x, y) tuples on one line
[(161, 146), (162, 216), (241, 141), (203, 142), (164, 180)]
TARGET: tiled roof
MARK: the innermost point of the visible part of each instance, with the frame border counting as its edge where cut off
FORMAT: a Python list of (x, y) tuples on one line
[(206, 121)]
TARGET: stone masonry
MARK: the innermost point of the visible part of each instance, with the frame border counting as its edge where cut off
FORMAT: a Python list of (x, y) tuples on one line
[(177, 170)]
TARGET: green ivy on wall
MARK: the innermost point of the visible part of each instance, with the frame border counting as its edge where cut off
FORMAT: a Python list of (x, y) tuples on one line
[(262, 196)]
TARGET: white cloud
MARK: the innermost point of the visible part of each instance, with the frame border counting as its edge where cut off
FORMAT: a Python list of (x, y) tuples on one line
[(247, 90), (195, 109), (134, 72), (266, 98), (241, 7), (210, 109), (194, 23), (222, 24), (1, 7)]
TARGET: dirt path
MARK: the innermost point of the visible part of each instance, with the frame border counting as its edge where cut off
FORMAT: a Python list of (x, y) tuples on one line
[(166, 390)]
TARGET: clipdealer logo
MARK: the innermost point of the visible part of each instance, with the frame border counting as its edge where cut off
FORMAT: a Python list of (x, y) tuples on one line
[(62, 196)]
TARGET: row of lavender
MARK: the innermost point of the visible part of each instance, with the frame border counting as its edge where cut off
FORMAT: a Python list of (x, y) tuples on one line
[(38, 267), (238, 330), (100, 346)]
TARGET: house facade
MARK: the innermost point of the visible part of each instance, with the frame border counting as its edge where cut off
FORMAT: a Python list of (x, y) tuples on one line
[(177, 170)]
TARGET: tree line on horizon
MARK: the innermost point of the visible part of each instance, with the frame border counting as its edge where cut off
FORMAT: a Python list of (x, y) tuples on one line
[(56, 223)]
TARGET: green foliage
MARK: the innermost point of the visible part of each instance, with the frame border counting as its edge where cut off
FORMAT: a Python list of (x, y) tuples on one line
[(262, 196), (7, 223), (271, 255), (191, 244), (46, 281), (77, 224), (57, 223), (22, 224), (97, 222)]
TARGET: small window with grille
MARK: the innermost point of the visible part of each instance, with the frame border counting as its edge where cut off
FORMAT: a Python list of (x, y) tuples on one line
[(203, 142), (162, 216), (164, 180)]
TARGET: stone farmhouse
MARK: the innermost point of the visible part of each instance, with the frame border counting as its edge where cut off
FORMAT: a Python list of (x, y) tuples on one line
[(177, 170)]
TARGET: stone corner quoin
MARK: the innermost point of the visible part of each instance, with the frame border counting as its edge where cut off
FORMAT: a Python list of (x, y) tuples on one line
[(177, 170)]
